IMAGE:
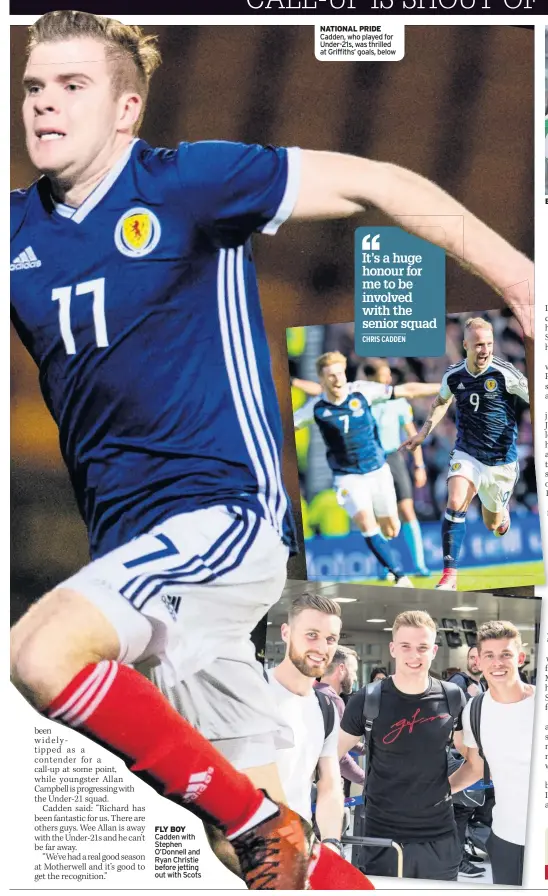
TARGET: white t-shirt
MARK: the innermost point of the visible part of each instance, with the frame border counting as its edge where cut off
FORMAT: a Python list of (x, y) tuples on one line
[(506, 738), (296, 764)]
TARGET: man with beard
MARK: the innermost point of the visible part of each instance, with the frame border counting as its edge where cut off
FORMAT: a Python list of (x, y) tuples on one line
[(311, 635), (339, 679), (471, 681)]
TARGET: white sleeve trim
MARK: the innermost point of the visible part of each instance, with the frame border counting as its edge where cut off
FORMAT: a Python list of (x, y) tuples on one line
[(445, 391), (305, 414), (373, 392), (516, 382), (289, 198)]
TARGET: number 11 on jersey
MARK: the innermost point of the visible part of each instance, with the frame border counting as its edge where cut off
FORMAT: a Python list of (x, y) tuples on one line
[(63, 295)]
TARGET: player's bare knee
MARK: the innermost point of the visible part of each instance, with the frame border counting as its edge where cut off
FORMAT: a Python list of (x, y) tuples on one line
[(56, 638), (362, 521), (390, 528), (41, 670), (457, 506), (406, 511), (33, 672)]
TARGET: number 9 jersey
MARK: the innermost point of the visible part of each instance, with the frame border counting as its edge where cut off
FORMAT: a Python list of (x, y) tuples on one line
[(486, 409), (141, 310)]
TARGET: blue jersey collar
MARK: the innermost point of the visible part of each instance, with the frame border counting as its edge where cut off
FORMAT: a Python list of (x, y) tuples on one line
[(475, 375), (99, 192)]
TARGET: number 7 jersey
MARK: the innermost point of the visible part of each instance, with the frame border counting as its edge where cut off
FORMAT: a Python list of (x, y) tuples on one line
[(486, 409), (141, 310)]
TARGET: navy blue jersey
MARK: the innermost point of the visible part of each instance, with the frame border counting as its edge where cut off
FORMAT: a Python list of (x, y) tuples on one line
[(349, 429), (142, 312), (486, 409)]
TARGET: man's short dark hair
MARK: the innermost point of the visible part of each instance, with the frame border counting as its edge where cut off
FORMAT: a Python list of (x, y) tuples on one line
[(498, 630), (309, 600)]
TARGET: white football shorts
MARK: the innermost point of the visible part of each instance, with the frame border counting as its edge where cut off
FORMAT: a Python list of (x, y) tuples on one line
[(183, 599), (363, 491), (494, 485)]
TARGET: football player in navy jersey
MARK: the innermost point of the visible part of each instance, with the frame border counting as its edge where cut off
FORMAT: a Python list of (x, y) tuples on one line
[(361, 475), (130, 265), (484, 461)]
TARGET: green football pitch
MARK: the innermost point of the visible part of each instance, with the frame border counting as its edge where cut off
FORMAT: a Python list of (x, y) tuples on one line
[(484, 578)]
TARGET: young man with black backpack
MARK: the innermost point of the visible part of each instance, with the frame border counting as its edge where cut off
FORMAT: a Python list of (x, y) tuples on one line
[(408, 721), (498, 733)]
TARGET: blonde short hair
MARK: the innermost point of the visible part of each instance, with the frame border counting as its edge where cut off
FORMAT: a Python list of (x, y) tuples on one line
[(477, 323), (413, 619), (133, 56), (329, 358)]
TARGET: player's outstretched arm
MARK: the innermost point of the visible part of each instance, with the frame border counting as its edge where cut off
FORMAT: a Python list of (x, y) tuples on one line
[(304, 416), (418, 459), (309, 387), (334, 185), (416, 390), (437, 412)]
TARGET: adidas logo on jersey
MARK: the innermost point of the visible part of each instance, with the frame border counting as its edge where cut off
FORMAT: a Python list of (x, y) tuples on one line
[(326, 413), (460, 386), (172, 602), (25, 260), (197, 784)]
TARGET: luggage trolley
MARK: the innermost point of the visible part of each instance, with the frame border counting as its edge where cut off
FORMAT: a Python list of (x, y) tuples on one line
[(348, 840)]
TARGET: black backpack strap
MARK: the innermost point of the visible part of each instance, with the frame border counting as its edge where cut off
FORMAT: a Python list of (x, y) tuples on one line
[(328, 712), (475, 725), (371, 709), (454, 696)]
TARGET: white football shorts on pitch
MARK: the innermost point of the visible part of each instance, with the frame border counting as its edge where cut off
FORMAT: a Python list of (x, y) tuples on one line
[(494, 485), (368, 491)]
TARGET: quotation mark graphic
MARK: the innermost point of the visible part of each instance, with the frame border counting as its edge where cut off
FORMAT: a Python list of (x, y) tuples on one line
[(370, 242)]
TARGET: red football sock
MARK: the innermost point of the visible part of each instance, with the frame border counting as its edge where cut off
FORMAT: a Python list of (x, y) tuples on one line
[(123, 710), (332, 872)]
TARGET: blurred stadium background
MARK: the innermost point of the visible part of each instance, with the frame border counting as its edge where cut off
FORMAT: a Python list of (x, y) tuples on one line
[(458, 109), (334, 547)]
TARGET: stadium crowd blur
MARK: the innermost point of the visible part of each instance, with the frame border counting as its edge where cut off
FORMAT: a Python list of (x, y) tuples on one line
[(321, 513)]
